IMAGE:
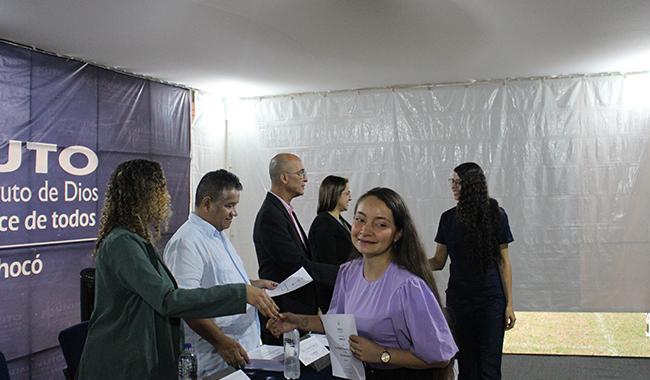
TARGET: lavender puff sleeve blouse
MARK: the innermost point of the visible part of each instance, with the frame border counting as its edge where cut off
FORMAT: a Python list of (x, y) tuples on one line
[(396, 311)]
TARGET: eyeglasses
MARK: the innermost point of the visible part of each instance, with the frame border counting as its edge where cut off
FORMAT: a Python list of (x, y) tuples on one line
[(348, 193), (456, 182), (302, 173)]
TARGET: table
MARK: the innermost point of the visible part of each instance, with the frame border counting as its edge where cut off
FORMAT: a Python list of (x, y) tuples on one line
[(306, 373)]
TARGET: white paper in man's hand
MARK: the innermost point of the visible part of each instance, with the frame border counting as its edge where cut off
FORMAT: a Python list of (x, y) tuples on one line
[(266, 352), (267, 358), (338, 328), (297, 280)]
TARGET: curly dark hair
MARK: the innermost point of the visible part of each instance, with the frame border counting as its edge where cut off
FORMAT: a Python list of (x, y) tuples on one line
[(479, 217), (408, 251), (136, 198)]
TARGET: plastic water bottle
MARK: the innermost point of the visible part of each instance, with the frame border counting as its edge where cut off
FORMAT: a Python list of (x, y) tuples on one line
[(187, 365), (291, 354)]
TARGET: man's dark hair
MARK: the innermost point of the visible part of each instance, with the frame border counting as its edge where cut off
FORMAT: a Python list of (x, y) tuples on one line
[(215, 185)]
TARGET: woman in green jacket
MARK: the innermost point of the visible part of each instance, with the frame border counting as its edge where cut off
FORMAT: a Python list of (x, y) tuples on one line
[(135, 330)]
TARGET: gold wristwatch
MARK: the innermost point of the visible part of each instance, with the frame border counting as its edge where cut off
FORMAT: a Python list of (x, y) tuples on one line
[(385, 356)]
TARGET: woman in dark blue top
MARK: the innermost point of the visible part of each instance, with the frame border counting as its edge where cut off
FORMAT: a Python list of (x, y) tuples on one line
[(475, 235), (329, 234)]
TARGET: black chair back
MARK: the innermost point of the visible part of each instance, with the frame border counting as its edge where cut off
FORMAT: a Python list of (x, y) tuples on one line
[(87, 292), (72, 341), (4, 370)]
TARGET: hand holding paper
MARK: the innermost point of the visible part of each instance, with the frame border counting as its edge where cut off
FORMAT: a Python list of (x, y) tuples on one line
[(365, 350), (338, 328), (261, 301), (297, 280)]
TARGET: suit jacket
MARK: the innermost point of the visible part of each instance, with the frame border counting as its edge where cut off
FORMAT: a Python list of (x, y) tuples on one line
[(330, 243), (281, 252)]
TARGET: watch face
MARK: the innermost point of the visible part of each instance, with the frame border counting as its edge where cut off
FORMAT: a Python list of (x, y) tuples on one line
[(385, 357)]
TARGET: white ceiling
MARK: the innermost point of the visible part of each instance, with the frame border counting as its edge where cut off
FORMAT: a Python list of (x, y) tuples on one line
[(267, 47)]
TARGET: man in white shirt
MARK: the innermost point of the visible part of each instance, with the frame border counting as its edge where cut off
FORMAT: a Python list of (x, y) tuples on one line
[(200, 255)]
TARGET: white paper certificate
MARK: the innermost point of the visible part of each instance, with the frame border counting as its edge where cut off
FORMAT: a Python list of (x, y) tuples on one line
[(238, 375), (312, 349), (338, 328), (268, 358), (299, 279), (321, 337)]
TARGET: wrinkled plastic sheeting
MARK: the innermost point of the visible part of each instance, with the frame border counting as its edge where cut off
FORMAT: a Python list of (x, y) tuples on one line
[(567, 158)]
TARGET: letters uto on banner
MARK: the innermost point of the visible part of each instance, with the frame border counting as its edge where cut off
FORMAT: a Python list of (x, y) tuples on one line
[(59, 201)]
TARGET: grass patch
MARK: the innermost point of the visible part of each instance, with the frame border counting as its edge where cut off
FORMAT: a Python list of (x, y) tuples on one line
[(608, 334)]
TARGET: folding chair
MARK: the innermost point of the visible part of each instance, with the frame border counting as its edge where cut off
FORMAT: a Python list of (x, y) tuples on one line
[(72, 341), (4, 371)]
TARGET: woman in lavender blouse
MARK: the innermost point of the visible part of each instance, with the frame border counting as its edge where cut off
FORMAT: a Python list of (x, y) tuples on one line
[(388, 286)]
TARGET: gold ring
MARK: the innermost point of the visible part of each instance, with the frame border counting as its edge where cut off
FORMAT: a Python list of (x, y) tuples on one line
[(352, 349)]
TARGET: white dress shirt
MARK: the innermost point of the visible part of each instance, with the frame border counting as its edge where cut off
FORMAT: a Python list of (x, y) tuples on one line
[(199, 256)]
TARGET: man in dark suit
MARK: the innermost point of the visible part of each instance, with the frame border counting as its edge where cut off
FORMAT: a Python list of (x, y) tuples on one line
[(281, 243)]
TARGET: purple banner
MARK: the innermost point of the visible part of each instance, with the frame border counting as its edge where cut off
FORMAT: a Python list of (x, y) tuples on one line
[(64, 126)]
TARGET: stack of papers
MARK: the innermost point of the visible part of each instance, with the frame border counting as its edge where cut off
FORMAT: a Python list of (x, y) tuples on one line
[(267, 358), (313, 351), (271, 358), (238, 375)]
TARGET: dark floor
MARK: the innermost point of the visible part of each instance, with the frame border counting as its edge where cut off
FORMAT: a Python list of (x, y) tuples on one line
[(565, 367)]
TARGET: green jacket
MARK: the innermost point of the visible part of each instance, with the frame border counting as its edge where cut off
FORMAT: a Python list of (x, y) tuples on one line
[(135, 330)]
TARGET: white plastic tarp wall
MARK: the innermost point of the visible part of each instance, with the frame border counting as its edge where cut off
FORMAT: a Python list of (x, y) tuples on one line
[(567, 158), (208, 138)]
